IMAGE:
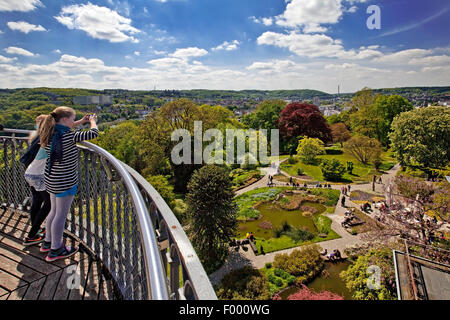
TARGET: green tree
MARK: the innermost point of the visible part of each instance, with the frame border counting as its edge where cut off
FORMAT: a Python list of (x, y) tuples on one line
[(212, 213), (309, 148), (422, 137), (332, 170), (121, 142), (357, 276), (389, 107), (163, 187), (340, 133), (265, 116), (363, 148)]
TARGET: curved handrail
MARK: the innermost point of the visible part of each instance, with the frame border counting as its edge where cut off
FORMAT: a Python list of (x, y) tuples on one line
[(156, 279), (190, 260)]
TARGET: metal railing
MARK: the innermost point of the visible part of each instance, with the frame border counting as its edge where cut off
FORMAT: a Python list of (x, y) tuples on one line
[(122, 220)]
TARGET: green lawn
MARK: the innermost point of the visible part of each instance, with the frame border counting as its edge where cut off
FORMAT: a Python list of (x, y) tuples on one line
[(361, 172)]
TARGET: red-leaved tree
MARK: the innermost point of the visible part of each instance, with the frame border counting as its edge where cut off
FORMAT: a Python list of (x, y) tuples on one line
[(303, 119)]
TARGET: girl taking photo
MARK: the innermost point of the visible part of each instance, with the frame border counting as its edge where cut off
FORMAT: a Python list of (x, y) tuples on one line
[(61, 173)]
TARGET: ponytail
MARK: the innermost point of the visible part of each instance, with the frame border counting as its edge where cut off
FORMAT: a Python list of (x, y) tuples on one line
[(47, 124), (35, 133), (46, 129)]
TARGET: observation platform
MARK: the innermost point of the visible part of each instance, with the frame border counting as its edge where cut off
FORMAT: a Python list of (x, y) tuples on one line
[(25, 275), (132, 247)]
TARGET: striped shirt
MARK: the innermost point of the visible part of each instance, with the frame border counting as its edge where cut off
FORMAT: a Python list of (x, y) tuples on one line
[(64, 173)]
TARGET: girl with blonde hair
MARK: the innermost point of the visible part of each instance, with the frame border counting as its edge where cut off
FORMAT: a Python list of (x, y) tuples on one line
[(34, 160), (61, 173)]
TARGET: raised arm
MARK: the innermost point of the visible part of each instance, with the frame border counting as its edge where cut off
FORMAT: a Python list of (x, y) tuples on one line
[(87, 135)]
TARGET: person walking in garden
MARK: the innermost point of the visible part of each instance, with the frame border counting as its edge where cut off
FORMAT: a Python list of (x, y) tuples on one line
[(61, 173), (343, 201)]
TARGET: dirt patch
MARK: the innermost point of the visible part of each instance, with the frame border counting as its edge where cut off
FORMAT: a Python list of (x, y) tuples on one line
[(362, 196)]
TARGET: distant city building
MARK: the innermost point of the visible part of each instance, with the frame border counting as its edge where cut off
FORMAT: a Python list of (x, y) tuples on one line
[(98, 100), (329, 110), (316, 101)]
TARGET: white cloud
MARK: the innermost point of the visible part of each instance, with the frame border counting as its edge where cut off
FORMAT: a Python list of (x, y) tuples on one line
[(137, 53), (24, 26), (6, 60), (265, 21), (276, 67), (306, 12), (98, 22), (19, 5), (164, 63), (159, 53), (402, 57), (19, 51), (315, 45), (314, 28), (186, 53), (227, 46), (57, 51), (171, 72), (430, 61)]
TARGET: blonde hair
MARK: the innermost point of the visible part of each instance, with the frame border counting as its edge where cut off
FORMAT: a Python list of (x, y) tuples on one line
[(47, 124), (34, 133)]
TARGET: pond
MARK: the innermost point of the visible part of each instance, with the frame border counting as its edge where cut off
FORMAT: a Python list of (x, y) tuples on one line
[(273, 213), (332, 283)]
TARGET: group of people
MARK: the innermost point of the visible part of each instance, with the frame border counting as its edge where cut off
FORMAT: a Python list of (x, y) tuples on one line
[(250, 236), (349, 217), (325, 185), (366, 207), (51, 164), (335, 255), (345, 190)]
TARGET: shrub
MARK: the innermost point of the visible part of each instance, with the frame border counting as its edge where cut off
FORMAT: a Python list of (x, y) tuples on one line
[(300, 234), (306, 294), (356, 276), (309, 148), (304, 263), (350, 167), (268, 265), (244, 284), (331, 195), (332, 170), (299, 172), (323, 224)]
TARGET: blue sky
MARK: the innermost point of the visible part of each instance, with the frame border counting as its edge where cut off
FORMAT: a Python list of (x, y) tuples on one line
[(228, 44)]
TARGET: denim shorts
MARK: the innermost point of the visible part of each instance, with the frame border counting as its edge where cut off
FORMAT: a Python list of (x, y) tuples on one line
[(70, 192)]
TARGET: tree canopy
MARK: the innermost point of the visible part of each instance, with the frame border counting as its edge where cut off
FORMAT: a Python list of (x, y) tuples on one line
[(422, 137), (303, 119)]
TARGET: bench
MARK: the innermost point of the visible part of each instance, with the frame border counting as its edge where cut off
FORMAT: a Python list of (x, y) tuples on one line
[(252, 245)]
